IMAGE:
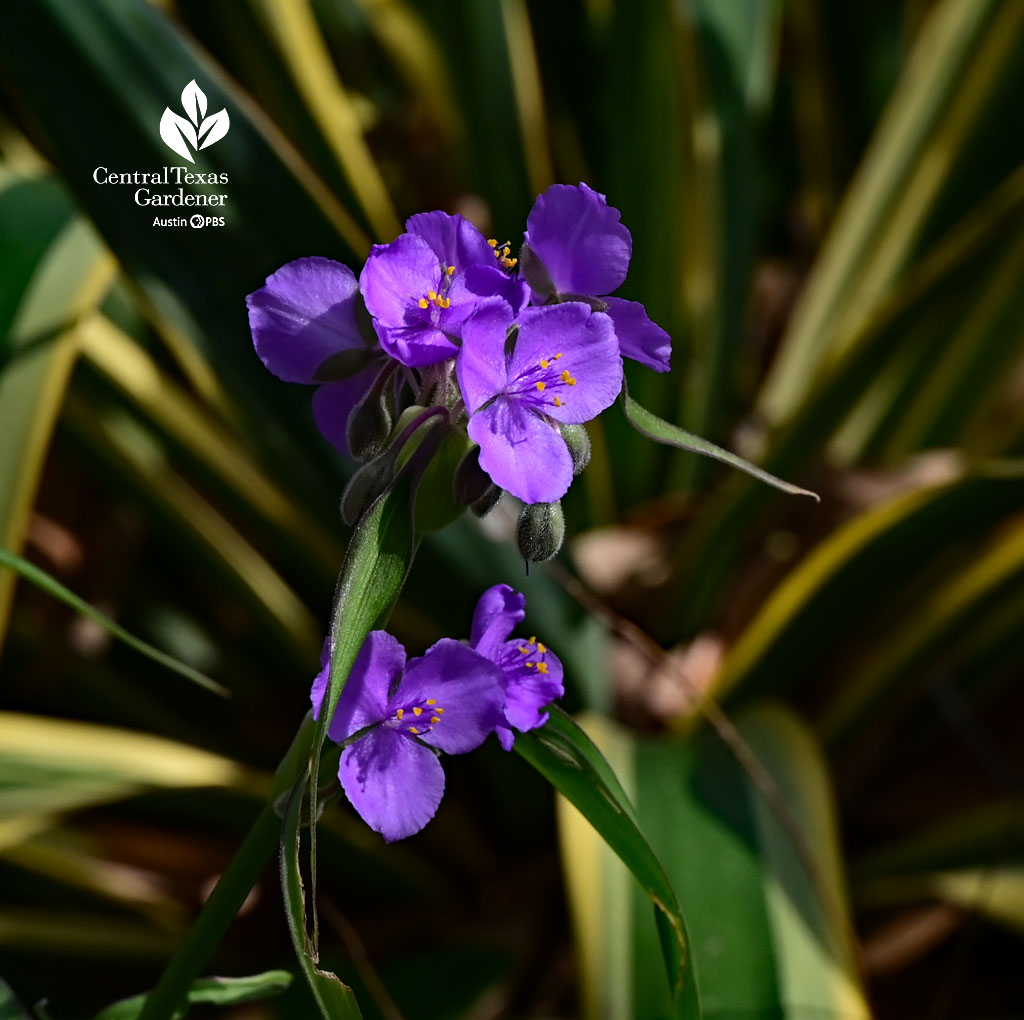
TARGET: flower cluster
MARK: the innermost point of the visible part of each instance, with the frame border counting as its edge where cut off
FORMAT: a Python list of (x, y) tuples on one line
[(520, 349), (394, 715)]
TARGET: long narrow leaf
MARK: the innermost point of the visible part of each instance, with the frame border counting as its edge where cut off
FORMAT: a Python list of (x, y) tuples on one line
[(568, 759), (661, 431), (30, 572)]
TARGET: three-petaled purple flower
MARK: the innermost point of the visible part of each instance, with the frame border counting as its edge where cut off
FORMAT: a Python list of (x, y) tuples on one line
[(305, 330), (580, 251), (394, 716), (533, 674), (564, 366), (421, 287), (449, 699)]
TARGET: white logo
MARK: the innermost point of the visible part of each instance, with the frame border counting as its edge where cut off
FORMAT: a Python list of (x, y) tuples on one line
[(179, 133)]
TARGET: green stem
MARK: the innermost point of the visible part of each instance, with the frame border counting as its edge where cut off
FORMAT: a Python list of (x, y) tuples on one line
[(234, 886)]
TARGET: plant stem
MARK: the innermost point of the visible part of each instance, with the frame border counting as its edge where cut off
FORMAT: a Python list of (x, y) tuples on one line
[(231, 890)]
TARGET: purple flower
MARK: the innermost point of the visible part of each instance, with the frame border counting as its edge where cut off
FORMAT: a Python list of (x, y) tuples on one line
[(533, 675), (421, 287), (581, 251), (303, 324), (398, 712), (564, 367)]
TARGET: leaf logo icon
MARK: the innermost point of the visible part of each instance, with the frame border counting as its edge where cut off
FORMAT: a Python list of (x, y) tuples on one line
[(197, 131)]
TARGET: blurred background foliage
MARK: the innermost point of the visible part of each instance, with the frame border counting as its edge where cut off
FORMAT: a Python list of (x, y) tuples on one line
[(814, 708)]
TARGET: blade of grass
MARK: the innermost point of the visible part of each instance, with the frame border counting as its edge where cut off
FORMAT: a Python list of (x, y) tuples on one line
[(294, 27), (53, 587), (128, 366), (69, 275), (526, 84), (956, 62)]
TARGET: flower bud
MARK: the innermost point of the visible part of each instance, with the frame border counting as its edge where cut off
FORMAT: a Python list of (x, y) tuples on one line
[(488, 501), (369, 425), (540, 531), (471, 482), (535, 273), (578, 441), (364, 487)]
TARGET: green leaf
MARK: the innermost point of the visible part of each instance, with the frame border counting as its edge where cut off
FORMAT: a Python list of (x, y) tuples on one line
[(769, 929), (53, 270), (562, 753), (334, 998), (53, 587), (216, 991), (10, 1008), (661, 431), (953, 72)]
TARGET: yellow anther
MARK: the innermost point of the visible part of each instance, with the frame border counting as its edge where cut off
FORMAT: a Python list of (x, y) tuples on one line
[(509, 263), (412, 729), (541, 648), (439, 301), (542, 667), (493, 242), (449, 270), (566, 375), (506, 251), (533, 639), (544, 362), (431, 701), (435, 719), (530, 665), (439, 711), (524, 650), (557, 356), (400, 713), (431, 295), (541, 386), (571, 382), (558, 401), (423, 303), (446, 302), (417, 710)]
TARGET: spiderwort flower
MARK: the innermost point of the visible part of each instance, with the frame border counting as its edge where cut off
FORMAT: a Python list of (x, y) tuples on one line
[(533, 675), (577, 249), (564, 367), (396, 713), (421, 287), (304, 327)]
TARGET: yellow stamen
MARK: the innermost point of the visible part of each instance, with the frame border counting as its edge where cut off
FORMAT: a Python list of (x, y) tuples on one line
[(439, 711), (431, 295), (557, 356), (533, 639), (435, 719), (439, 301), (541, 648), (541, 386), (417, 710), (400, 713), (493, 242), (423, 303), (506, 251), (558, 401), (544, 362), (412, 729), (542, 667), (431, 701), (571, 382), (525, 651), (449, 270), (447, 301), (566, 375), (530, 665)]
